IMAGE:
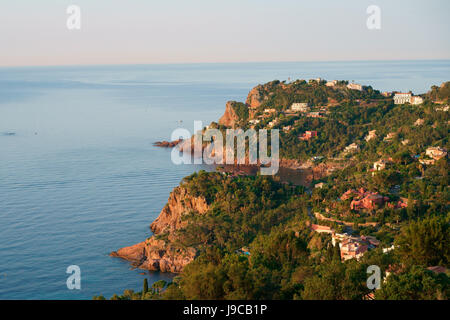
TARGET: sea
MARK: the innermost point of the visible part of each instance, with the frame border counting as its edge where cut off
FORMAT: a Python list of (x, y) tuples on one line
[(80, 177)]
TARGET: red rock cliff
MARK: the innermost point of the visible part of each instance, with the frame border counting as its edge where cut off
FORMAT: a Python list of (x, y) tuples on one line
[(254, 98), (230, 117), (160, 254)]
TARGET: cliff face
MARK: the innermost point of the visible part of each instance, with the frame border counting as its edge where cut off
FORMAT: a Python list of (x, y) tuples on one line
[(179, 204), (254, 98), (229, 118), (162, 254)]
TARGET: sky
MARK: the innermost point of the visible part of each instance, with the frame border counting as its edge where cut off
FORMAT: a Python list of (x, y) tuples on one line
[(190, 31)]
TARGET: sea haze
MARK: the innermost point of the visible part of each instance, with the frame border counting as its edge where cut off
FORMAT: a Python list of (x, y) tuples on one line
[(79, 176)]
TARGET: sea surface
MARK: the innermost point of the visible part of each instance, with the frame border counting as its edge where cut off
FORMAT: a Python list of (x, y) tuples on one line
[(79, 176)]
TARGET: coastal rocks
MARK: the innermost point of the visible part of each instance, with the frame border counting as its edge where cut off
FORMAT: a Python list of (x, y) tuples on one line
[(180, 203), (157, 255), (134, 253), (8, 134), (229, 118), (167, 144), (164, 255)]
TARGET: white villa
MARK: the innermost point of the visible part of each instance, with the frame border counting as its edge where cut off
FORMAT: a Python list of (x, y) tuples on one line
[(372, 134), (351, 147), (300, 106), (354, 86), (436, 152), (331, 83), (416, 100), (380, 165), (402, 98)]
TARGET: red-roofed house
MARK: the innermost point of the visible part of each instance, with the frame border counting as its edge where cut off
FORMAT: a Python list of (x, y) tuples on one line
[(321, 229), (438, 269), (308, 135)]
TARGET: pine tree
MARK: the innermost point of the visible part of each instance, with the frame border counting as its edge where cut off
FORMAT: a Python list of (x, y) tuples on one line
[(145, 287)]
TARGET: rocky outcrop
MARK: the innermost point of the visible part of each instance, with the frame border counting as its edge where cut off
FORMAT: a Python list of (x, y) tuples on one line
[(167, 144), (179, 204), (254, 98), (157, 255), (162, 253), (229, 118)]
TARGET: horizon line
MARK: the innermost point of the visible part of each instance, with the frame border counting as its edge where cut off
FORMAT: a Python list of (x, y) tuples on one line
[(218, 62)]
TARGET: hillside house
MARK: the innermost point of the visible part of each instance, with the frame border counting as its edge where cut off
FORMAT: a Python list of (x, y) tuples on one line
[(380, 164), (308, 135), (300, 107), (321, 229), (351, 148), (355, 86), (371, 135), (331, 83), (416, 100), (436, 153), (402, 98)]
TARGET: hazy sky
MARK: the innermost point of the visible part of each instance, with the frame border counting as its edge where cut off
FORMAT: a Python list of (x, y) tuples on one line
[(176, 31)]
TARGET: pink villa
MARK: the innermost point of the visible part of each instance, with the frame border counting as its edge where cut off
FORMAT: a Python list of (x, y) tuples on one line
[(363, 199), (352, 249), (308, 135)]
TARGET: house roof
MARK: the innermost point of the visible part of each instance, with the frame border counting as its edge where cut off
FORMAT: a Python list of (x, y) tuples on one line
[(438, 269)]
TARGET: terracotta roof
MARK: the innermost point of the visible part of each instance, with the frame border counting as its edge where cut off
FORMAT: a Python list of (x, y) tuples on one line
[(438, 269)]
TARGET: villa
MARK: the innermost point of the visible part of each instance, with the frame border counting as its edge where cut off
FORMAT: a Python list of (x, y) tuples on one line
[(350, 247), (321, 229), (371, 135), (273, 123), (402, 98), (416, 100), (300, 107), (331, 83), (436, 153), (355, 86), (389, 136), (351, 148), (380, 164), (362, 199), (308, 135)]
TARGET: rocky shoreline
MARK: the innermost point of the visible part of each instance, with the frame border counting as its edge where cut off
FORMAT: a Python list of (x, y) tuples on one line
[(159, 252), (167, 144)]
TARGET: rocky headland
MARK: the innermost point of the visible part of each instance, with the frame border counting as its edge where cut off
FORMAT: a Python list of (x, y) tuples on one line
[(160, 252)]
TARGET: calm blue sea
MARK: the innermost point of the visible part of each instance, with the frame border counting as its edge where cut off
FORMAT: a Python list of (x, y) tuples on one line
[(79, 176)]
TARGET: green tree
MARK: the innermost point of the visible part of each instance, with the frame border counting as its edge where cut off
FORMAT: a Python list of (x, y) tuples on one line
[(425, 242), (415, 284), (145, 289)]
